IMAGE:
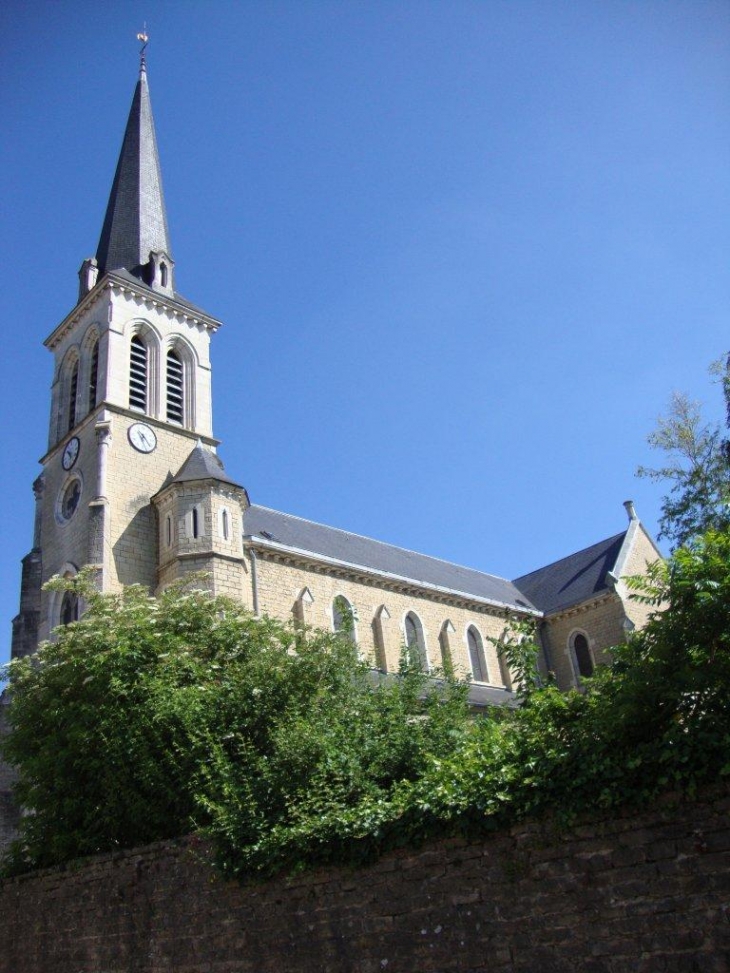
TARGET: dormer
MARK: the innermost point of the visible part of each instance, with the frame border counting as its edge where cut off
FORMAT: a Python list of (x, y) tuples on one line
[(160, 272)]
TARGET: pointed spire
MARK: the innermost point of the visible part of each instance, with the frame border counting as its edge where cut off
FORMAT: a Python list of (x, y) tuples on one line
[(136, 223)]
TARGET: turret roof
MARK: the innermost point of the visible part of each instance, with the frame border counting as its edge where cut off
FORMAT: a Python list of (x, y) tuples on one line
[(202, 464)]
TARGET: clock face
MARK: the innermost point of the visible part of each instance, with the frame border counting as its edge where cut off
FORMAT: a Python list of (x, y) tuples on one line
[(142, 437), (71, 453), (70, 499)]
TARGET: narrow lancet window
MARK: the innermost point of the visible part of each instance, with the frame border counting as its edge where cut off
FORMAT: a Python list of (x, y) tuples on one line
[(415, 642), (73, 392), (175, 389), (195, 523), (476, 656), (138, 375), (582, 655)]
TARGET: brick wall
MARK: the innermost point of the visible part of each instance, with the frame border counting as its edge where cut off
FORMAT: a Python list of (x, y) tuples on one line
[(644, 892)]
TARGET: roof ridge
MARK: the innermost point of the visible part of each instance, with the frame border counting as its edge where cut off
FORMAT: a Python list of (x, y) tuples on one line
[(374, 540)]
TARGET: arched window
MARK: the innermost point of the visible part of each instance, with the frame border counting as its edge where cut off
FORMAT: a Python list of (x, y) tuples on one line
[(476, 655), (163, 274), (195, 519), (69, 608), (343, 617), (415, 642), (447, 662), (582, 655), (225, 524), (175, 389), (168, 530), (138, 375), (73, 393), (93, 376)]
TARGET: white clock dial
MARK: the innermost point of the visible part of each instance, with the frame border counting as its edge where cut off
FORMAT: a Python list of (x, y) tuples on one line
[(70, 453), (142, 437)]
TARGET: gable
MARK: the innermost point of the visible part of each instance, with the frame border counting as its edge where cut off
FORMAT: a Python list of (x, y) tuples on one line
[(573, 579)]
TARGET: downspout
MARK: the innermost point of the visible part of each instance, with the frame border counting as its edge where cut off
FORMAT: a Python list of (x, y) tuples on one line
[(254, 582)]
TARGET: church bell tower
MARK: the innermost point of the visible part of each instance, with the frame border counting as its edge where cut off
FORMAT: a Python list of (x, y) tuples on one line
[(130, 404)]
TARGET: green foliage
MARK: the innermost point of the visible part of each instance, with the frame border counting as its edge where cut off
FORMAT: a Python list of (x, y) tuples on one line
[(150, 719), (519, 650), (696, 468)]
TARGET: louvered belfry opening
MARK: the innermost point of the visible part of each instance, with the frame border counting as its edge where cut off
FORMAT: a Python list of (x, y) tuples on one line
[(138, 375), (175, 389), (94, 376), (72, 396)]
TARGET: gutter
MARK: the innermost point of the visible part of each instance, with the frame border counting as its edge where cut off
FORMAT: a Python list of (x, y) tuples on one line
[(275, 547)]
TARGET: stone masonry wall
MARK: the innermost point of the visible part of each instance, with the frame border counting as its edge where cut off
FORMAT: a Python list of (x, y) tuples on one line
[(637, 894), (280, 585), (601, 621)]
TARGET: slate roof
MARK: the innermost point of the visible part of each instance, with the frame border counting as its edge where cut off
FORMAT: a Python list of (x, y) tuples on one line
[(342, 546), (572, 579), (202, 464), (135, 220)]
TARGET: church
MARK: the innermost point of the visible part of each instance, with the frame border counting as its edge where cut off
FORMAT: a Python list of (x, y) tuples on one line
[(133, 488)]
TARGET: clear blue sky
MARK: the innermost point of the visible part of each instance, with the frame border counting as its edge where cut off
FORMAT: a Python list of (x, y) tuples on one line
[(464, 251)]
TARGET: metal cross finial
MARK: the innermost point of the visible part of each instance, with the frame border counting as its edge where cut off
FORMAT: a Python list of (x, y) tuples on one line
[(144, 40)]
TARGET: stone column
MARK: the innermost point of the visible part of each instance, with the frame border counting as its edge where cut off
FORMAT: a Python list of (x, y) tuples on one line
[(99, 507)]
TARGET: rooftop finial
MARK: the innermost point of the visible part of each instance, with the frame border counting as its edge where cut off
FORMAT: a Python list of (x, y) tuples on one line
[(143, 38)]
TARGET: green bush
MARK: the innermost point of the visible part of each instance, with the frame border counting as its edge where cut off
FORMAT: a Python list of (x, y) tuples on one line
[(151, 719)]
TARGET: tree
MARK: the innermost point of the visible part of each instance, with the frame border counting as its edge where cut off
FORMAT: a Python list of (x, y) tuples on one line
[(153, 718), (697, 468)]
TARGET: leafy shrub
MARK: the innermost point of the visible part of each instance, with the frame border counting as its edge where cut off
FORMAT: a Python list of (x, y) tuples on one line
[(151, 719)]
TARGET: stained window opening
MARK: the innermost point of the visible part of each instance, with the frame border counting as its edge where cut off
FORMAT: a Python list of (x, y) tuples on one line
[(476, 656), (69, 608), (583, 655), (343, 617), (175, 400), (415, 642), (138, 375)]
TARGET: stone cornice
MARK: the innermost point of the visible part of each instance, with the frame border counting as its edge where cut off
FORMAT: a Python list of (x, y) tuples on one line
[(70, 321), (582, 607), (321, 564), (124, 285), (129, 414)]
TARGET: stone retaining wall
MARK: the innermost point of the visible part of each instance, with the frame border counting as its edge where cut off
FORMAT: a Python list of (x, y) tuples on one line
[(639, 893)]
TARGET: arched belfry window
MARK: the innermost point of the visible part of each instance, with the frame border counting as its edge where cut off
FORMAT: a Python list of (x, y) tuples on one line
[(582, 655), (73, 394), (175, 388), (415, 641), (476, 655), (138, 374), (93, 376)]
